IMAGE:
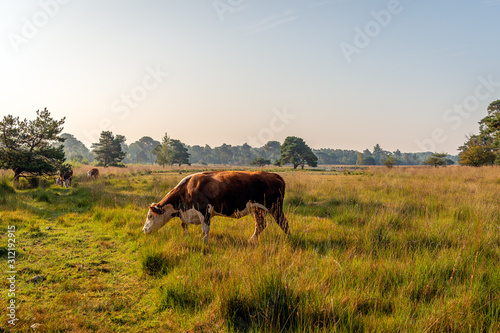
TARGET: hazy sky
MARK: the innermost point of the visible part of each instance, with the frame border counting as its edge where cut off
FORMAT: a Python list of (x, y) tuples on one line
[(415, 75)]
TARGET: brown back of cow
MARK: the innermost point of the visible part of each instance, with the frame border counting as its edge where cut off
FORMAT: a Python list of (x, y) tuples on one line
[(68, 175)]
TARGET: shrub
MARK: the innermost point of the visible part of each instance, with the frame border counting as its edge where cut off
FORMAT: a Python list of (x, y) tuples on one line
[(21, 184), (5, 187)]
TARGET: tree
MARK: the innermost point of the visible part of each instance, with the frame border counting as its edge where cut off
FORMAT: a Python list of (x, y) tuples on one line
[(411, 159), (146, 146), (162, 151), (448, 161), (477, 155), (369, 161), (171, 151), (27, 147), (196, 153), (359, 159), (178, 153), (74, 149), (398, 155), (390, 161), (436, 159), (246, 154), (141, 157), (479, 149), (490, 127), (378, 154), (368, 157), (260, 161), (224, 153), (272, 150), (108, 150), (295, 151)]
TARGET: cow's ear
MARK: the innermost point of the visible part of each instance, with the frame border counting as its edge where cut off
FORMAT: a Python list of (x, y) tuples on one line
[(156, 209)]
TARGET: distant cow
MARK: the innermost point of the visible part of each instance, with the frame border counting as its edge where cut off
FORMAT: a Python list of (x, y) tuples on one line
[(234, 194), (93, 173), (65, 178)]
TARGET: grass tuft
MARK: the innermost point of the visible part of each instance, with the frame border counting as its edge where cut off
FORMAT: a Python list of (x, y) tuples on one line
[(157, 263), (182, 297), (271, 306), (42, 196)]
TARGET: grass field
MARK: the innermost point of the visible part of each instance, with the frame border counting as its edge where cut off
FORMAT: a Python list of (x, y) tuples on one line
[(385, 250)]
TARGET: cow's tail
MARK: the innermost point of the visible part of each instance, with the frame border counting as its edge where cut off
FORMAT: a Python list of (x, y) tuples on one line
[(277, 210)]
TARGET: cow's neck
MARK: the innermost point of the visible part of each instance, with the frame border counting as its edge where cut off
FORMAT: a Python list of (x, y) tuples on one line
[(174, 198)]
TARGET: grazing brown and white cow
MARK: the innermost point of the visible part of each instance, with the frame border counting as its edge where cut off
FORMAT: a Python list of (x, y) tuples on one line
[(93, 173), (65, 178), (234, 194)]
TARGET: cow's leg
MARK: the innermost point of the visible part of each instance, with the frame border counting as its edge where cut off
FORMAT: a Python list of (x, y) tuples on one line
[(205, 225), (279, 217), (185, 227), (259, 215)]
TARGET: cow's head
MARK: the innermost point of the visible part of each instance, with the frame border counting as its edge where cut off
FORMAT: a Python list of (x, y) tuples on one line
[(157, 217)]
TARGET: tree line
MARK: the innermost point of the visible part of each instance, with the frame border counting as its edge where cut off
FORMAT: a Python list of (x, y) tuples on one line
[(37, 147), (144, 151)]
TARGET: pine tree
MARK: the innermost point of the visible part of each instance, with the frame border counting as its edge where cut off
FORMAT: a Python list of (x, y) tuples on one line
[(27, 147), (162, 151), (171, 151), (436, 159), (108, 150), (178, 153)]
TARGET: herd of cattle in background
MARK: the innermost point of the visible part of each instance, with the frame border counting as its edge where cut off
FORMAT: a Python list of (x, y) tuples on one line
[(65, 177)]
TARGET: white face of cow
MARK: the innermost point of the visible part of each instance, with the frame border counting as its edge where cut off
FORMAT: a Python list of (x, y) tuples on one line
[(157, 217)]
